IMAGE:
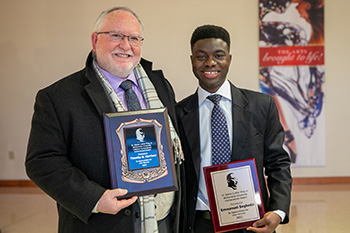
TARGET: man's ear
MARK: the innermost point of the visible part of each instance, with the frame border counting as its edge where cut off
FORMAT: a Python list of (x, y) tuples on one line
[(94, 37)]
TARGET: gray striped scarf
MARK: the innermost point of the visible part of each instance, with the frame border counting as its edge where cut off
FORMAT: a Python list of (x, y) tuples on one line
[(163, 201)]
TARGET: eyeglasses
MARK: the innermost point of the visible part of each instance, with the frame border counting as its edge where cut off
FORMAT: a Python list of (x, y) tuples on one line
[(119, 37)]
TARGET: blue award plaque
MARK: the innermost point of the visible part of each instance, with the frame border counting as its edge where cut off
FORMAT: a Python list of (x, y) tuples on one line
[(141, 146), (140, 152)]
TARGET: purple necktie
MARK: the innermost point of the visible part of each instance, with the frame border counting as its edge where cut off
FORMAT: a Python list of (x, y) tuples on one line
[(131, 99)]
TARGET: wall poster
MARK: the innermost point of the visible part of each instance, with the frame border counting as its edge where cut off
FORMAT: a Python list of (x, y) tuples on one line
[(291, 70)]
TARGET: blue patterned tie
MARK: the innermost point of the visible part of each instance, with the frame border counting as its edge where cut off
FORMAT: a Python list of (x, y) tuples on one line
[(130, 96), (220, 144)]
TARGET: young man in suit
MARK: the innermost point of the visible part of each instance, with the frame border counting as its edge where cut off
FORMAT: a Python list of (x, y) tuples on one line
[(253, 131), (67, 155)]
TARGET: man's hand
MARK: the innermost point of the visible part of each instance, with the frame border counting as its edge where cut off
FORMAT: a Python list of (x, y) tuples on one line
[(109, 204), (267, 224)]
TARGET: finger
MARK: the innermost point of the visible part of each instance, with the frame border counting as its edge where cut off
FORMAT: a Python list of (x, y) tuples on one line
[(126, 202), (253, 229), (119, 192), (256, 230), (259, 223)]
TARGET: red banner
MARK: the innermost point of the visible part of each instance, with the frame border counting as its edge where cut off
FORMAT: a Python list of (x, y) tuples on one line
[(291, 55)]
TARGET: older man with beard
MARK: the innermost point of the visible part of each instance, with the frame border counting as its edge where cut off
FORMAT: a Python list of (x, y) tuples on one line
[(67, 155)]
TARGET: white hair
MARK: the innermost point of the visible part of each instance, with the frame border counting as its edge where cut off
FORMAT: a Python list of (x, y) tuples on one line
[(101, 17)]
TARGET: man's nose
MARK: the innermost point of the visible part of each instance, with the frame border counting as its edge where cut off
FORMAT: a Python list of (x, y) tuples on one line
[(210, 62), (125, 44)]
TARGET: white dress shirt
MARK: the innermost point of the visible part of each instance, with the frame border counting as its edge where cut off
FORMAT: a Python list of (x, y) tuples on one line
[(205, 109)]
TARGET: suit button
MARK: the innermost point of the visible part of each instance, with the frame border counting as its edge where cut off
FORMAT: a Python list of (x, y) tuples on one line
[(137, 215), (127, 212), (195, 198)]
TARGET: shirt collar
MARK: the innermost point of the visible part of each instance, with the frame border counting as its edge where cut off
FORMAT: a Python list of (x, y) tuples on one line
[(116, 81), (224, 91)]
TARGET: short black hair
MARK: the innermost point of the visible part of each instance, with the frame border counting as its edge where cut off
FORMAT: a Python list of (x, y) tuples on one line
[(210, 31)]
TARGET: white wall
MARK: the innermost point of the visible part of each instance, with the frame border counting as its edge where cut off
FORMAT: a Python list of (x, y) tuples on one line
[(44, 40)]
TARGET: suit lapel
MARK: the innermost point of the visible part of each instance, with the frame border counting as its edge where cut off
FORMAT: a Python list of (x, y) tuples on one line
[(190, 122), (97, 93), (240, 122)]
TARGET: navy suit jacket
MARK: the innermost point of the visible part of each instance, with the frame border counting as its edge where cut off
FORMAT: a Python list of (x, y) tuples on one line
[(257, 133), (67, 155)]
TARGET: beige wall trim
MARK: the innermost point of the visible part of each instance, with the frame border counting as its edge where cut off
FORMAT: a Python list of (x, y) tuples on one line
[(296, 181), (16, 183), (321, 180)]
